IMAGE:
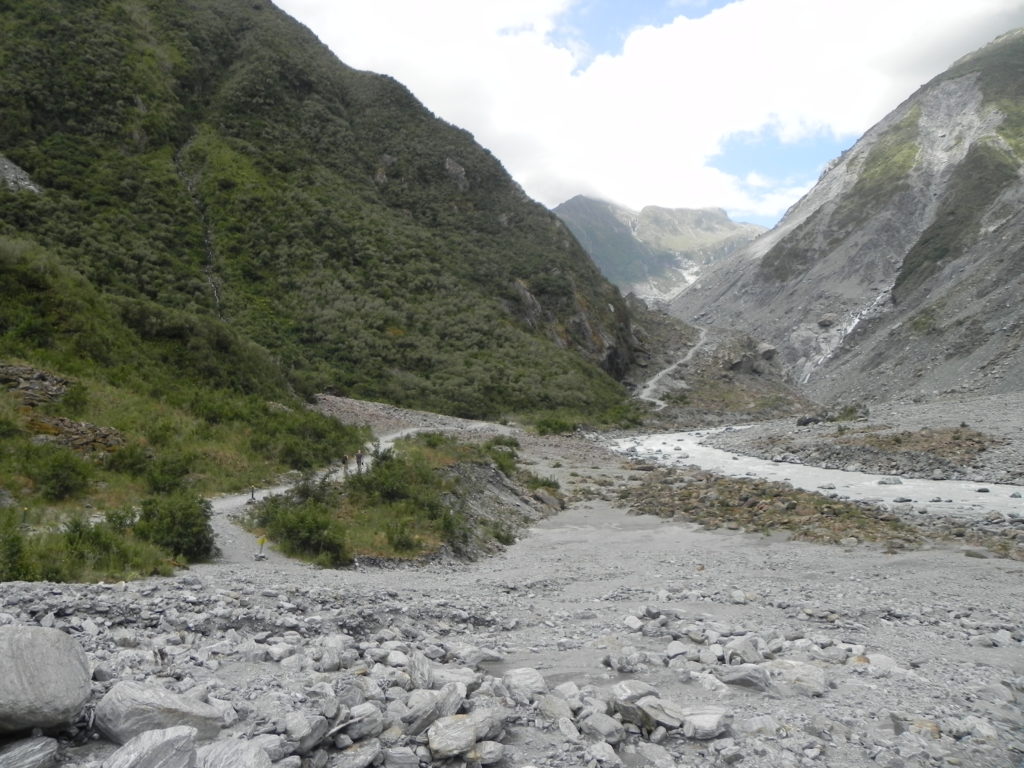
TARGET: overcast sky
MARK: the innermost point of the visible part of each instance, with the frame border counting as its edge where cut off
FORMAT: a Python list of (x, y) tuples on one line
[(677, 103)]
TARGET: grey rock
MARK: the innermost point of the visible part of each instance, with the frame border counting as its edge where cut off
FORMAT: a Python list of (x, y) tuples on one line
[(554, 707), (524, 683), (423, 708), (707, 722), (662, 711), (130, 708), (161, 748), (604, 753), (358, 755), (400, 757), (746, 676), (444, 674), (451, 736), (44, 678), (307, 730), (450, 698), (232, 753), (797, 678), (744, 649), (656, 755), (485, 753), (632, 690), (364, 720), (603, 727), (568, 729), (40, 752), (421, 671)]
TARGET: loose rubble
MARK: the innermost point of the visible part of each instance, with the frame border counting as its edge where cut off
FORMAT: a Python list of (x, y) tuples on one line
[(599, 639)]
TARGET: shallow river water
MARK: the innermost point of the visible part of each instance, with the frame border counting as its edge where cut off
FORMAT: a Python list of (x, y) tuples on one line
[(954, 497)]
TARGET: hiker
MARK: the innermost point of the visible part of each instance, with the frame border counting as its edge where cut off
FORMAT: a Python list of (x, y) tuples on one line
[(359, 461), (344, 464)]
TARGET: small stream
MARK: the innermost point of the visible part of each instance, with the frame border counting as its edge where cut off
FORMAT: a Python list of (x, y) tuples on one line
[(948, 497)]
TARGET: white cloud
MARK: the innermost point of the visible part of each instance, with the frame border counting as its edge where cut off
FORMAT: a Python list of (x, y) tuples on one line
[(639, 128)]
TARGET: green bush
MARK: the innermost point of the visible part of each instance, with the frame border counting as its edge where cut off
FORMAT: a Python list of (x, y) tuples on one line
[(533, 482), (57, 472), (167, 472), (130, 459), (554, 425), (13, 565), (400, 537), (178, 523), (307, 529)]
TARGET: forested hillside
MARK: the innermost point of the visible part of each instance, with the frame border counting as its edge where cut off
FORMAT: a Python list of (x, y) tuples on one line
[(213, 163)]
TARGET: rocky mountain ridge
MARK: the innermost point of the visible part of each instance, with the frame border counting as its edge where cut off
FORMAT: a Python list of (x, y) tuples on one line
[(895, 276), (655, 252)]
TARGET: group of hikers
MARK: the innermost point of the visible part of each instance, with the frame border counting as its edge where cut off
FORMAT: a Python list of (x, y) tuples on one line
[(359, 456)]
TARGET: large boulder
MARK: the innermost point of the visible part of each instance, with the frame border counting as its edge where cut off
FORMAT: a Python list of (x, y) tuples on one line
[(40, 752), (163, 748), (232, 753), (44, 678), (130, 708)]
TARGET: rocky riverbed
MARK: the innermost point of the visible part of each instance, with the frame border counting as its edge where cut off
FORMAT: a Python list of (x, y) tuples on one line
[(601, 637)]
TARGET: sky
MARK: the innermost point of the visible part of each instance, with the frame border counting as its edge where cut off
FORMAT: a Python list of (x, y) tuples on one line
[(736, 104)]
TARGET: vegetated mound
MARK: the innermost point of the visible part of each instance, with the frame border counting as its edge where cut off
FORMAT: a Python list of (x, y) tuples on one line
[(215, 160), (896, 276), (430, 495)]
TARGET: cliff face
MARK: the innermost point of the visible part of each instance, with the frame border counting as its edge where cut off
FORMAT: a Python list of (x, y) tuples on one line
[(896, 274), (214, 157)]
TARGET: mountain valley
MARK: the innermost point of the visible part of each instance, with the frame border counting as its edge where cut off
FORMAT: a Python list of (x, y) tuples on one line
[(323, 446)]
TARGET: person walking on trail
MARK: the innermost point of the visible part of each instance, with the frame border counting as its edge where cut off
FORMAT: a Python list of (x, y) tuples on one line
[(261, 541), (344, 464), (359, 461)]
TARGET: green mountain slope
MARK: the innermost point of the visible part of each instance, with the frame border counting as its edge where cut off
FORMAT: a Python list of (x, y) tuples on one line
[(214, 158)]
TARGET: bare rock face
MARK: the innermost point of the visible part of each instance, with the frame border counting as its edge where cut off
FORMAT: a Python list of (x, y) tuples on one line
[(44, 678), (130, 708)]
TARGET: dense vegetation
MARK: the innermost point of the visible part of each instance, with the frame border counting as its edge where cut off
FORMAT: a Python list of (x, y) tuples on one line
[(213, 158), (223, 220), (408, 503)]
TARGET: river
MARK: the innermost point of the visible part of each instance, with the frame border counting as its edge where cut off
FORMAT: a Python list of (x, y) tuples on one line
[(948, 497)]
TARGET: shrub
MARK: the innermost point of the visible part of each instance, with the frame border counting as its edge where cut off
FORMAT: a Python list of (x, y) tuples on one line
[(13, 566), (554, 425), (533, 482), (167, 472), (179, 523), (400, 537), (130, 459), (308, 530), (57, 472)]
